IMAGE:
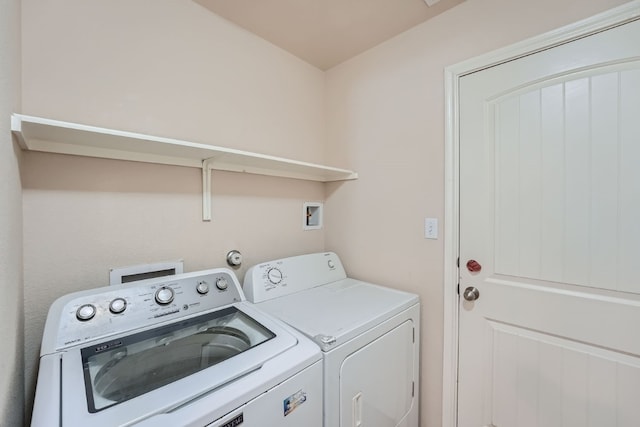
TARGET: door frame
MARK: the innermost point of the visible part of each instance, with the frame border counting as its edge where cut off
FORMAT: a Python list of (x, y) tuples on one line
[(452, 75)]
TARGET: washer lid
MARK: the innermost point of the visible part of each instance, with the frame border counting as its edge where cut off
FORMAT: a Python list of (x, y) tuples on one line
[(335, 313), (126, 367)]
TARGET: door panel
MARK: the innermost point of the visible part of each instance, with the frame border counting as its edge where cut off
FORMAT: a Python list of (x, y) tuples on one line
[(549, 206), (562, 206), (559, 382)]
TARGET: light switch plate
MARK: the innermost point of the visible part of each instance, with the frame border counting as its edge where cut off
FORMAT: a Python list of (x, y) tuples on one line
[(431, 228)]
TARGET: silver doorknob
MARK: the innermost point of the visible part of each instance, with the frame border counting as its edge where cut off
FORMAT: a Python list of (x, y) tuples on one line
[(471, 293)]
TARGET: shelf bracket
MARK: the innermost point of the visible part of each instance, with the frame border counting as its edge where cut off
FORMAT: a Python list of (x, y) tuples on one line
[(206, 188)]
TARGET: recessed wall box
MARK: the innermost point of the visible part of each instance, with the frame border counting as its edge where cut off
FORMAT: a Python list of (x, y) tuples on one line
[(312, 216)]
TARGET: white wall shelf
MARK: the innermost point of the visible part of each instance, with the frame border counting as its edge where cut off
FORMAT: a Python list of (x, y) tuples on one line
[(52, 136)]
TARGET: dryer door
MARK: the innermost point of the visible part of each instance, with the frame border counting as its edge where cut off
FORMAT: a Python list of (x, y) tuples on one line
[(377, 382)]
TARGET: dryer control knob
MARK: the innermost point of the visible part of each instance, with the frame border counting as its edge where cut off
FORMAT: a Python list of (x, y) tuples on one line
[(86, 312), (164, 295)]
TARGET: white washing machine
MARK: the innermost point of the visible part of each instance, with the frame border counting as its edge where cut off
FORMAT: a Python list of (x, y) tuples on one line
[(369, 336), (184, 350)]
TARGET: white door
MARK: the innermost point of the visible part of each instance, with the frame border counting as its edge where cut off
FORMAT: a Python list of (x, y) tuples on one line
[(550, 212)]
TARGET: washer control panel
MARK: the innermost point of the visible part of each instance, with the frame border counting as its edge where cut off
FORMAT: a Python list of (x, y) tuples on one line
[(97, 313), (285, 276)]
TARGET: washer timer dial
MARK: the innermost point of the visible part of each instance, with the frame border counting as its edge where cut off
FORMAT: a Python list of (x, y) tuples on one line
[(274, 275)]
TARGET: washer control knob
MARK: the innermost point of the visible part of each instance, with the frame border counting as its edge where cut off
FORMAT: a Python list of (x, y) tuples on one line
[(202, 288), (221, 283), (118, 305), (274, 275), (86, 312), (164, 295)]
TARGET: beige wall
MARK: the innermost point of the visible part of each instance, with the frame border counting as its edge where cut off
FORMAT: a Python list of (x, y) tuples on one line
[(11, 311), (173, 69), (385, 115), (170, 69)]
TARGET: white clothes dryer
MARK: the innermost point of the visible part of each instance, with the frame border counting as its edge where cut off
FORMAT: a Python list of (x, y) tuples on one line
[(183, 350), (369, 336)]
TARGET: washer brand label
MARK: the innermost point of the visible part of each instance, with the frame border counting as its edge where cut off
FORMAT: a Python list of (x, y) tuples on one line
[(107, 346), (234, 422), (293, 401)]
